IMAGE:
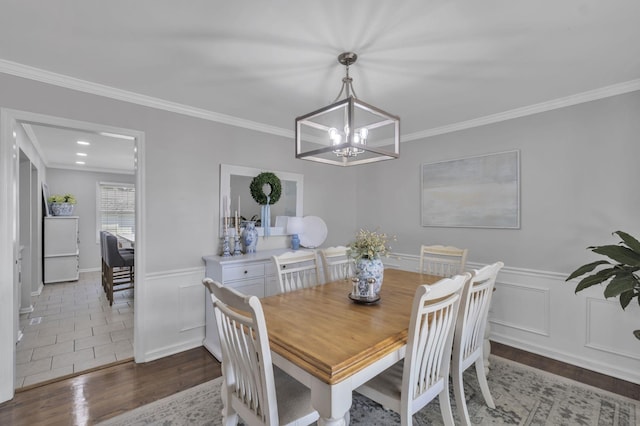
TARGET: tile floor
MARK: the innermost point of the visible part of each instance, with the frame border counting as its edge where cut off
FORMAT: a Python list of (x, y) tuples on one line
[(73, 328)]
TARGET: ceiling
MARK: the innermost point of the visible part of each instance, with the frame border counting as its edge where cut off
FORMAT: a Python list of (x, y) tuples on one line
[(59, 148), (433, 63)]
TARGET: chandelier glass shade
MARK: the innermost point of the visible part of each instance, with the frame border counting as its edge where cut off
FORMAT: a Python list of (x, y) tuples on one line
[(349, 131)]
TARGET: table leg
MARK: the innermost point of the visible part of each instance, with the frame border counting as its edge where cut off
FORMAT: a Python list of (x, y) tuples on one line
[(332, 402)]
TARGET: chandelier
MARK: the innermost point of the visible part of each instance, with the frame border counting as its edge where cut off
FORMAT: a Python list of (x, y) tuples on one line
[(347, 132)]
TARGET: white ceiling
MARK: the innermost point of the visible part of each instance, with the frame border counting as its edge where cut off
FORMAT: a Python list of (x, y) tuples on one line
[(433, 63), (60, 149)]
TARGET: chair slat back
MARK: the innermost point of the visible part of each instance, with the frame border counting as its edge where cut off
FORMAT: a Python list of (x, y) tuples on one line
[(443, 261), (297, 270), (246, 356), (336, 263), (430, 339), (474, 309)]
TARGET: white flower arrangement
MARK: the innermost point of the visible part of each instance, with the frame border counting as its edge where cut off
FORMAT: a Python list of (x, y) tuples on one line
[(370, 245)]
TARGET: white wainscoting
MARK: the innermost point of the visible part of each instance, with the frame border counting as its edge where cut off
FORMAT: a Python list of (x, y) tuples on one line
[(539, 312), (174, 303)]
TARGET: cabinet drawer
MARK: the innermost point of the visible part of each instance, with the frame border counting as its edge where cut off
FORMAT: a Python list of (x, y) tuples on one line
[(253, 287), (242, 271), (60, 268)]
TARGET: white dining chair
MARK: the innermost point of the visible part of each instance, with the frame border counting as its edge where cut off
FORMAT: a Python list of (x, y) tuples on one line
[(423, 375), (443, 261), (296, 270), (253, 389), (336, 263), (469, 335)]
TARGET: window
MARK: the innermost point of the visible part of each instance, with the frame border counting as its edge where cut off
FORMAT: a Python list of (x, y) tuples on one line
[(116, 208)]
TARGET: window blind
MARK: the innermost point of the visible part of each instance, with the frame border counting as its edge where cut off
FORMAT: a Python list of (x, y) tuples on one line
[(116, 208)]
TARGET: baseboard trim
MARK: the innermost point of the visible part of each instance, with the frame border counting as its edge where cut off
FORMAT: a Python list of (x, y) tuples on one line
[(589, 364), (171, 350)]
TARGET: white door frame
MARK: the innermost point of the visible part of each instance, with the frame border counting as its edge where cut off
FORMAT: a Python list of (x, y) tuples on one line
[(9, 150)]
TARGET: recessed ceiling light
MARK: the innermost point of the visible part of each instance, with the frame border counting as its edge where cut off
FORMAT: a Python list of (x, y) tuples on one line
[(83, 143), (118, 136), (81, 154), (79, 162)]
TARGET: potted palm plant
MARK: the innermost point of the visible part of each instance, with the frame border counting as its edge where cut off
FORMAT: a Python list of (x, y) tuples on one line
[(62, 205), (620, 272)]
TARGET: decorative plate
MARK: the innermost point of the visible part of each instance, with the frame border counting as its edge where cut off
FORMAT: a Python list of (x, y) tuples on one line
[(315, 232)]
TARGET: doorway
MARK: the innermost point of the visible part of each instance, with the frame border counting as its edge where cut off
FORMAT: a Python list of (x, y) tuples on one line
[(65, 316)]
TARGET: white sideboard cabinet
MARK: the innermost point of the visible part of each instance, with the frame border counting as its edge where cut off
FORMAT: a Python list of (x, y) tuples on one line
[(61, 253), (252, 274)]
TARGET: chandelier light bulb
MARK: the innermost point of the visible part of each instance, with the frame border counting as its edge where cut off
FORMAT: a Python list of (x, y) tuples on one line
[(364, 132)]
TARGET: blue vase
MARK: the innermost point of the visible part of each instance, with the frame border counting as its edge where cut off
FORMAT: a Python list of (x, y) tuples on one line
[(369, 268), (249, 236), (295, 242)]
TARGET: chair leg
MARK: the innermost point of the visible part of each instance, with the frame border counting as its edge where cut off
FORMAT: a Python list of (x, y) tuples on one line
[(445, 406), (458, 391), (104, 276), (484, 386), (110, 286), (229, 415)]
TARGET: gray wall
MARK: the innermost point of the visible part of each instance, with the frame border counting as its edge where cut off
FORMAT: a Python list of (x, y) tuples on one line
[(183, 155), (579, 180), (570, 158), (83, 186)]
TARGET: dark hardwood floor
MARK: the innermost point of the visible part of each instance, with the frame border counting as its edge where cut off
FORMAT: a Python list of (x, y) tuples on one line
[(96, 396), (611, 384)]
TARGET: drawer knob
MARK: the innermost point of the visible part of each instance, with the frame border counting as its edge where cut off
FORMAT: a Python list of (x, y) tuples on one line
[(246, 272)]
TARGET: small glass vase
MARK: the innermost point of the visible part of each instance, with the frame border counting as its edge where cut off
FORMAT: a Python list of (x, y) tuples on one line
[(249, 236)]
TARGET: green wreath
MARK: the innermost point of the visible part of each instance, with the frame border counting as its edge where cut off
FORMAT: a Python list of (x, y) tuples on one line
[(266, 178)]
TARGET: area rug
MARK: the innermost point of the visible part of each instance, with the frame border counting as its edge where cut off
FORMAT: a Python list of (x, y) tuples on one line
[(523, 396)]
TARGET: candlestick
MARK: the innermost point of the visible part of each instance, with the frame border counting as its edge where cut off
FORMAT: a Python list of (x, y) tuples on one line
[(224, 212), (225, 244), (237, 251)]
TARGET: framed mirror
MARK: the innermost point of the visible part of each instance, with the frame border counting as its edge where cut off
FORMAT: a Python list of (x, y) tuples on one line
[(236, 196)]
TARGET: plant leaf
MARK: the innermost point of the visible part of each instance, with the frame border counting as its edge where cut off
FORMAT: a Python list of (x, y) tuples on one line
[(625, 298), (620, 254), (620, 284), (586, 268), (629, 241), (596, 278)]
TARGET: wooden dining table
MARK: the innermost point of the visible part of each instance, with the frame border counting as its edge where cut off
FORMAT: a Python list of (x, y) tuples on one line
[(333, 345)]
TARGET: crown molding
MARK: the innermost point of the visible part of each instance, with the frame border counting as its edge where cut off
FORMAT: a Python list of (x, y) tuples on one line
[(579, 98), (25, 71)]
